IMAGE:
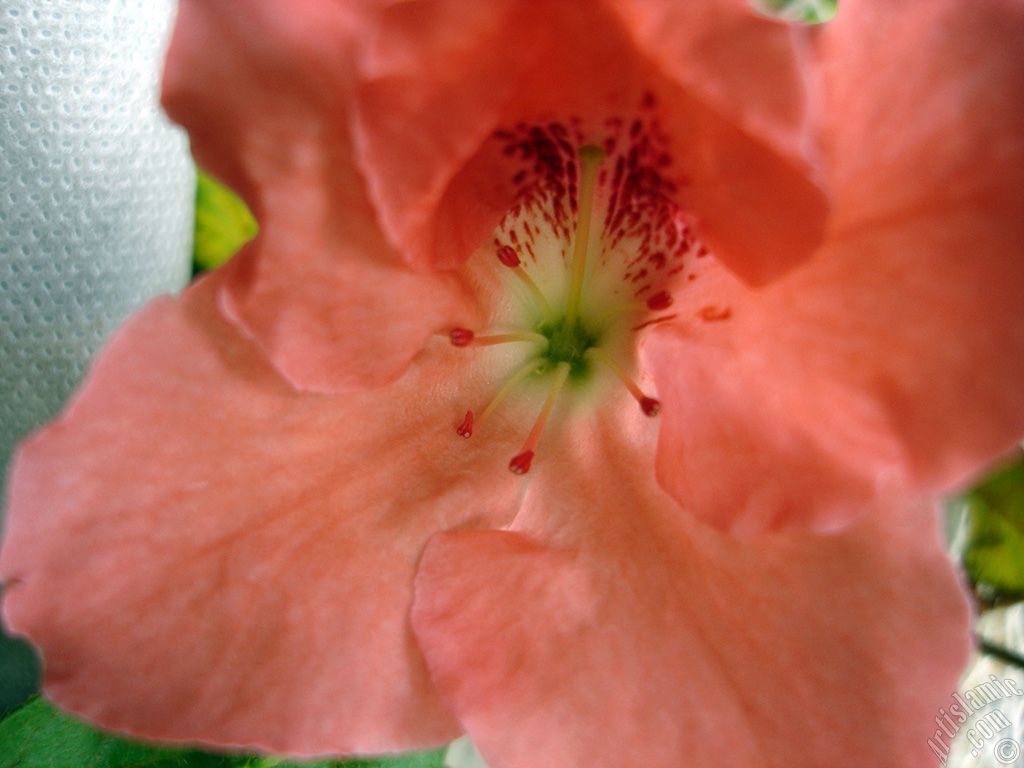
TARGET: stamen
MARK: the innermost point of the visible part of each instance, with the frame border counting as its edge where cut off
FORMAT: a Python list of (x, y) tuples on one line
[(648, 405), (520, 463), (504, 338), (518, 376), (461, 337), (508, 257), (590, 159), (466, 428)]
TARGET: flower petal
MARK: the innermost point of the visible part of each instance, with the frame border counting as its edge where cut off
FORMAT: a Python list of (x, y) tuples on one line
[(345, 319), (418, 123), (260, 84), (895, 355), (755, 70), (264, 91), (608, 628), (924, 105), (442, 182), (201, 553), (753, 180), (294, 106)]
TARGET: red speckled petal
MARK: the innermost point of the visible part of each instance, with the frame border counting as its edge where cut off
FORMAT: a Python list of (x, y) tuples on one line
[(265, 90), (755, 70), (419, 123), (895, 356), (203, 554), (441, 181), (361, 157), (752, 176), (609, 628)]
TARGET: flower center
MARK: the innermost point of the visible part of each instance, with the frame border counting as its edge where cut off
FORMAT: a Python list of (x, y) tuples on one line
[(588, 283), (568, 342)]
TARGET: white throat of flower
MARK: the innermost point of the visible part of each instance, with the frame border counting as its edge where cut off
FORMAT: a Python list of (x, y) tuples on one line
[(566, 343)]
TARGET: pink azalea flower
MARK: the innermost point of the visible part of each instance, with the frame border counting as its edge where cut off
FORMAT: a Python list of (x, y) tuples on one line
[(794, 319)]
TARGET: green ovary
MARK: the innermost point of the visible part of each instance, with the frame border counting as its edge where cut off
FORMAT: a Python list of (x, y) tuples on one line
[(568, 342)]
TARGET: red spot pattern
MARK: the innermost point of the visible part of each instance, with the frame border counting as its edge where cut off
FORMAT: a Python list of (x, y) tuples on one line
[(645, 237), (714, 314), (659, 301), (653, 321), (546, 182)]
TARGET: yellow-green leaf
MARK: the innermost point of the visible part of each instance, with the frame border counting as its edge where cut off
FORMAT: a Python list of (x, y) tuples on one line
[(223, 223), (994, 556), (38, 735)]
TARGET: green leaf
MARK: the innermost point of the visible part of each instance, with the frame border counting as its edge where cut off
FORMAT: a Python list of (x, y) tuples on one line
[(431, 759), (223, 223), (19, 672), (805, 11), (994, 556), (38, 735)]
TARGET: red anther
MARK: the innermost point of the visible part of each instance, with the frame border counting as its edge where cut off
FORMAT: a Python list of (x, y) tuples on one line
[(461, 337), (649, 406), (520, 463), (466, 428), (508, 256), (659, 301)]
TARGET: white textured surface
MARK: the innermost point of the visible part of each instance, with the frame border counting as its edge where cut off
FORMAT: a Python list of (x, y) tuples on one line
[(462, 754), (972, 746), (96, 190)]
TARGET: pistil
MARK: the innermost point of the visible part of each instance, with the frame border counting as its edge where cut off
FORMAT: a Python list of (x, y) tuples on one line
[(590, 158)]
